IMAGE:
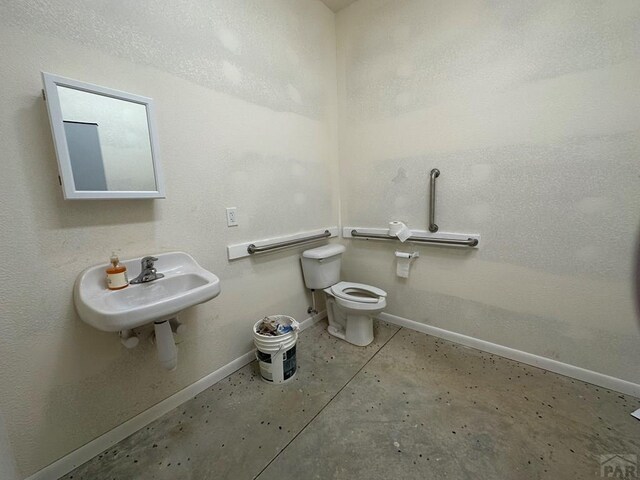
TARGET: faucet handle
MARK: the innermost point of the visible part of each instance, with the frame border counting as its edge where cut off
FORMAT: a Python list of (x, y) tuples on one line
[(147, 262)]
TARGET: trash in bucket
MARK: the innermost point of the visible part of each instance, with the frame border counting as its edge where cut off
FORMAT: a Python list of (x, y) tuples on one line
[(275, 338), (276, 325)]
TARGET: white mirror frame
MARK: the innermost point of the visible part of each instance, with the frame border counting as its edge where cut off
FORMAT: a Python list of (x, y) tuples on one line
[(51, 82)]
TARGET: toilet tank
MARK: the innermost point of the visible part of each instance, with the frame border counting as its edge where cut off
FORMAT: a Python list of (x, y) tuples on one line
[(321, 266)]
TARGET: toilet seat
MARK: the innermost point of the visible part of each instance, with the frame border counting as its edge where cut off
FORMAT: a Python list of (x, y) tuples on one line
[(358, 292)]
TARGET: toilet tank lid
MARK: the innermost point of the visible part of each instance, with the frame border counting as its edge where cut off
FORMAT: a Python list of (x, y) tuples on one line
[(324, 252)]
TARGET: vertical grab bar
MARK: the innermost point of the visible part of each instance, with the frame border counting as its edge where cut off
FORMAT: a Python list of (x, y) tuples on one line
[(435, 173)]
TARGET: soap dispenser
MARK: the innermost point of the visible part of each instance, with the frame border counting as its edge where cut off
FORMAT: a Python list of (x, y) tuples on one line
[(116, 274)]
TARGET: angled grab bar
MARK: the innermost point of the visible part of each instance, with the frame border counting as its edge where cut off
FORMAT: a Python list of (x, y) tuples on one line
[(470, 242), (435, 173), (252, 249)]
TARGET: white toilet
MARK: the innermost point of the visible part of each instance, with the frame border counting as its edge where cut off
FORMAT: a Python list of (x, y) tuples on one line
[(350, 306)]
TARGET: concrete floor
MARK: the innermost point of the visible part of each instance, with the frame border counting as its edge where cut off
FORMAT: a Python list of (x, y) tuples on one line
[(409, 406)]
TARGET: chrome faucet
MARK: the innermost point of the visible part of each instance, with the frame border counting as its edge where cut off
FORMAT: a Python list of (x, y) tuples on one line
[(148, 273)]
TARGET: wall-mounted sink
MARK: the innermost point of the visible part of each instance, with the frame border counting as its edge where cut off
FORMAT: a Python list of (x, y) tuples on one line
[(185, 284)]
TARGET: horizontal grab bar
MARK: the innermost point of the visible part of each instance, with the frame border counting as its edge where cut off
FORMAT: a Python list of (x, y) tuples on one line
[(252, 249), (470, 242)]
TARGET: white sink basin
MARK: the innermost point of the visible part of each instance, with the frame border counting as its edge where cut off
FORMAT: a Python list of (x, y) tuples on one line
[(185, 284)]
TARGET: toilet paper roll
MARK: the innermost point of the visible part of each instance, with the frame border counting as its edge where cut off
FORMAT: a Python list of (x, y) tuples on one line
[(394, 228), (403, 262), (402, 267), (400, 230)]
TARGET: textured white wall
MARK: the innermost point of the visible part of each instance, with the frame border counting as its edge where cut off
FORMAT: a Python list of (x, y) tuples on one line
[(246, 102), (531, 110)]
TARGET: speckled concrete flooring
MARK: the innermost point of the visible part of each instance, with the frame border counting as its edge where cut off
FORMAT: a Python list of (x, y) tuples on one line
[(235, 428), (409, 406)]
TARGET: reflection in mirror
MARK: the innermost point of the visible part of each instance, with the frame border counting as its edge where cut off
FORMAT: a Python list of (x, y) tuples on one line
[(104, 141), (85, 155), (108, 141)]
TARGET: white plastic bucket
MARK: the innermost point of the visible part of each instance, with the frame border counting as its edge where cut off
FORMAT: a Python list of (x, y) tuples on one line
[(276, 355)]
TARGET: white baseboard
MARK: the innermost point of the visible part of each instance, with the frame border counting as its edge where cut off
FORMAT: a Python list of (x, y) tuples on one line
[(312, 320), (76, 458), (589, 376)]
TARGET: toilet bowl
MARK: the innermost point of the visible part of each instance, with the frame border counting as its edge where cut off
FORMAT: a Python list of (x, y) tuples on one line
[(350, 306), (350, 311)]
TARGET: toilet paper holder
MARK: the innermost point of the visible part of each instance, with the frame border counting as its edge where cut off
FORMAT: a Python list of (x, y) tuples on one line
[(403, 263), (408, 255)]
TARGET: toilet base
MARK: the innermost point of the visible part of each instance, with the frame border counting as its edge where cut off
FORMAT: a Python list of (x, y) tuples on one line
[(356, 329)]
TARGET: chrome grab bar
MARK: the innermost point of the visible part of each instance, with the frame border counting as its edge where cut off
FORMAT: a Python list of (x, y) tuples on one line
[(435, 173), (252, 249), (470, 242)]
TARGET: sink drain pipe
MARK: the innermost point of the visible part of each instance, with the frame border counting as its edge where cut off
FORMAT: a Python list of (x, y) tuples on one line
[(167, 351), (128, 338)]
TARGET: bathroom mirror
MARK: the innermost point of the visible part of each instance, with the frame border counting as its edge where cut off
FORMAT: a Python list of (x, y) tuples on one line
[(105, 140)]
